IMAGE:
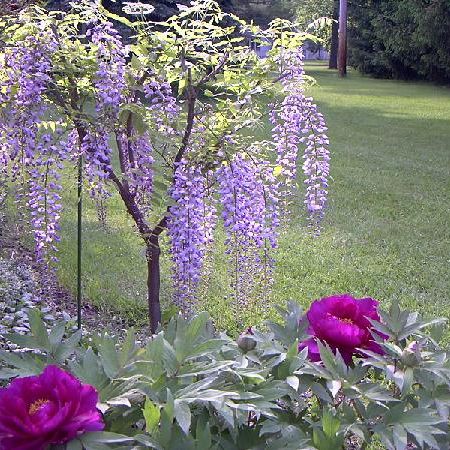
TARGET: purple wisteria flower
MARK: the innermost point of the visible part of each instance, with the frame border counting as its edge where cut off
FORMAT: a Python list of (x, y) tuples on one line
[(109, 83), (51, 408), (110, 76), (35, 155), (162, 106), (140, 167), (343, 323), (298, 122), (250, 213), (190, 225)]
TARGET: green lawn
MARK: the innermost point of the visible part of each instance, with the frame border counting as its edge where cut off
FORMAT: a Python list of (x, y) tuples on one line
[(387, 229)]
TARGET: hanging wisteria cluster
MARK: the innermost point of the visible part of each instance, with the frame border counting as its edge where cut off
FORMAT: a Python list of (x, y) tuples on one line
[(190, 225), (297, 121), (250, 216), (163, 107), (33, 155), (140, 164), (109, 84)]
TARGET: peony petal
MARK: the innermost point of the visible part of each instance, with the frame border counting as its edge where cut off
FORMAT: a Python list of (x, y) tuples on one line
[(313, 349), (339, 333)]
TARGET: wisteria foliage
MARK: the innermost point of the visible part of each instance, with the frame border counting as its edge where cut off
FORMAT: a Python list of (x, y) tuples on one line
[(246, 187)]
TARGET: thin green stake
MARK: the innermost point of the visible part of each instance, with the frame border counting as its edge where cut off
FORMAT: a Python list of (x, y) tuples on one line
[(79, 235)]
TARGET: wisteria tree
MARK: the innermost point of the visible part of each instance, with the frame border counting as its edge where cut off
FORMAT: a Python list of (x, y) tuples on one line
[(166, 121)]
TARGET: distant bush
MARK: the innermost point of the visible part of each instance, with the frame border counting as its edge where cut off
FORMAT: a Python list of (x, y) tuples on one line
[(192, 388), (401, 39)]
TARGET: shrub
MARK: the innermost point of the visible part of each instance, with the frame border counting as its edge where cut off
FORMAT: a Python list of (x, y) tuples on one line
[(193, 388), (401, 39)]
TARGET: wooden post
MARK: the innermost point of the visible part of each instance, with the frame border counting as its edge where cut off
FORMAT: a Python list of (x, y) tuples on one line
[(342, 51)]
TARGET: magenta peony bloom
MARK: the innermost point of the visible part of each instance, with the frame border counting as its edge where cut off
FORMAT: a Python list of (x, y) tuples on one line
[(51, 408), (342, 322)]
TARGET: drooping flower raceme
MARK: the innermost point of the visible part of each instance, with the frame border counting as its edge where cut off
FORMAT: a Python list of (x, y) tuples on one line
[(190, 223), (250, 217), (109, 83), (295, 122), (27, 67), (51, 408), (316, 165), (35, 155), (163, 106), (343, 323), (44, 200), (140, 166), (109, 79)]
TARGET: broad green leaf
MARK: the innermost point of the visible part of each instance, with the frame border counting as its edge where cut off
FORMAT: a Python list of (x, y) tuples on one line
[(151, 415), (203, 435), (330, 424), (103, 437), (183, 415), (109, 357), (56, 334), (74, 445)]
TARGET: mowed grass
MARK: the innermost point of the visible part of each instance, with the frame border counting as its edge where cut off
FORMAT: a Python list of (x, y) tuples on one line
[(386, 233)]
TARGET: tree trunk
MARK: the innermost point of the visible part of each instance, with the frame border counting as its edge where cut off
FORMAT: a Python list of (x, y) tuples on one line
[(334, 37), (153, 282), (342, 51)]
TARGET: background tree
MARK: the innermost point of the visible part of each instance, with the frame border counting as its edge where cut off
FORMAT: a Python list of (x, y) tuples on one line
[(342, 47), (334, 38), (401, 39), (167, 124), (320, 16)]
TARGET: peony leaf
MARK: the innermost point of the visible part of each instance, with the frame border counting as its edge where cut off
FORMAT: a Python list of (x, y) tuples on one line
[(183, 415), (203, 435), (334, 386), (109, 357), (400, 437), (103, 437), (151, 415), (74, 445), (330, 424), (293, 381)]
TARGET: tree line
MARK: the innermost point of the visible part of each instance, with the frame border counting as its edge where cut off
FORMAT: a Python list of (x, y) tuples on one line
[(403, 39)]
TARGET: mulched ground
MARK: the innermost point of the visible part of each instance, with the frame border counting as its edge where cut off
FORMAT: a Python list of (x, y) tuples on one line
[(24, 284)]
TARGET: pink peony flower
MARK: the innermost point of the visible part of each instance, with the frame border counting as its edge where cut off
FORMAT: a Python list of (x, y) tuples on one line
[(342, 322), (51, 408)]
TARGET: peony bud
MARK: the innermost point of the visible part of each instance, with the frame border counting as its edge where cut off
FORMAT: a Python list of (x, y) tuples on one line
[(411, 356), (245, 341)]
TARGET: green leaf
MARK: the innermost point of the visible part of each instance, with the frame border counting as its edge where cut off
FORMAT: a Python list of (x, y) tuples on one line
[(25, 364), (400, 437), (330, 424), (181, 85), (109, 357), (293, 381), (334, 386), (115, 17), (67, 347), (203, 435), (38, 329), (74, 445), (148, 441), (90, 370), (321, 392), (103, 437), (151, 415), (56, 334), (183, 415), (327, 357)]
